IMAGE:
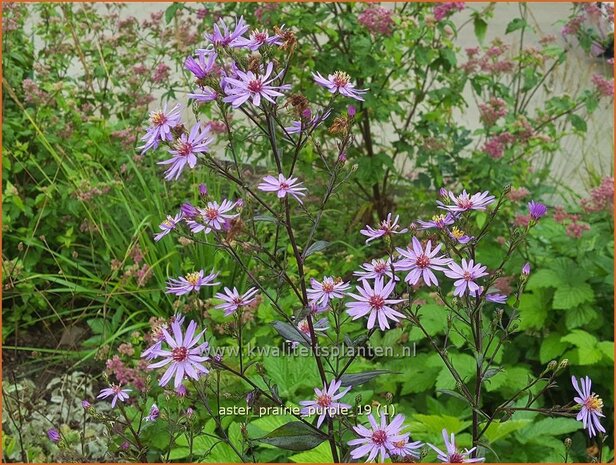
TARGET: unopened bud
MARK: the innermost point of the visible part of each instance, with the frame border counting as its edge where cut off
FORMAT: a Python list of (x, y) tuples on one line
[(358, 399), (389, 397), (552, 365), (567, 443), (563, 364)]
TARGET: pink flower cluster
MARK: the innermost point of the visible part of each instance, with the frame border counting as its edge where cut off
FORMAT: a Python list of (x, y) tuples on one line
[(377, 20), (126, 375), (604, 86), (575, 228), (601, 197), (495, 146), (491, 111), (442, 10), (490, 62)]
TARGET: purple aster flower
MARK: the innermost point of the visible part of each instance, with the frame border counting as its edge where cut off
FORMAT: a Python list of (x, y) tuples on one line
[(154, 413), (205, 95), (253, 86), (161, 124), (374, 302), (283, 186), (377, 269), (453, 455), (185, 151), (325, 403), (405, 449), (223, 36), (421, 262), (496, 298), (322, 292), (437, 221), (185, 356), (257, 39), (159, 337), (465, 276), (232, 300), (191, 282), (116, 391), (203, 66), (316, 308), (339, 82), (536, 210), (591, 405), (167, 226), (465, 202), (526, 269), (386, 228), (188, 210), (53, 435), (213, 216), (378, 439)]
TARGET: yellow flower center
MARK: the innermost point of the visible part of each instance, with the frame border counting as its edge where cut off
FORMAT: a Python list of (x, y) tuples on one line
[(457, 233), (193, 278), (594, 403), (341, 78)]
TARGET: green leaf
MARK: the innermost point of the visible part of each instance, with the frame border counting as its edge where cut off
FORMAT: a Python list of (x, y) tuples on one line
[(294, 436), (481, 28), (567, 297), (499, 430), (607, 347), (356, 379), (320, 454), (533, 311), (172, 10), (551, 348), (515, 24), (318, 246), (580, 338), (543, 278), (291, 333), (548, 427), (578, 123)]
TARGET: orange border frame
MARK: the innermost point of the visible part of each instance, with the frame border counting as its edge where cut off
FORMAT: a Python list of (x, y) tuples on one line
[(276, 1)]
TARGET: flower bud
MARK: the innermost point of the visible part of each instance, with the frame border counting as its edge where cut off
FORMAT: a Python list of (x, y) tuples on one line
[(351, 111), (358, 399), (567, 443), (389, 397), (552, 365), (53, 435), (563, 364), (202, 190), (526, 269)]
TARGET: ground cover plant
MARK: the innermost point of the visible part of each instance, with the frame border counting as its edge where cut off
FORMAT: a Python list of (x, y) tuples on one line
[(306, 251)]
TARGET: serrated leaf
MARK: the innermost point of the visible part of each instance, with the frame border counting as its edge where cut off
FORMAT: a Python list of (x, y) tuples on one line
[(567, 297), (580, 338), (551, 348), (295, 435)]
